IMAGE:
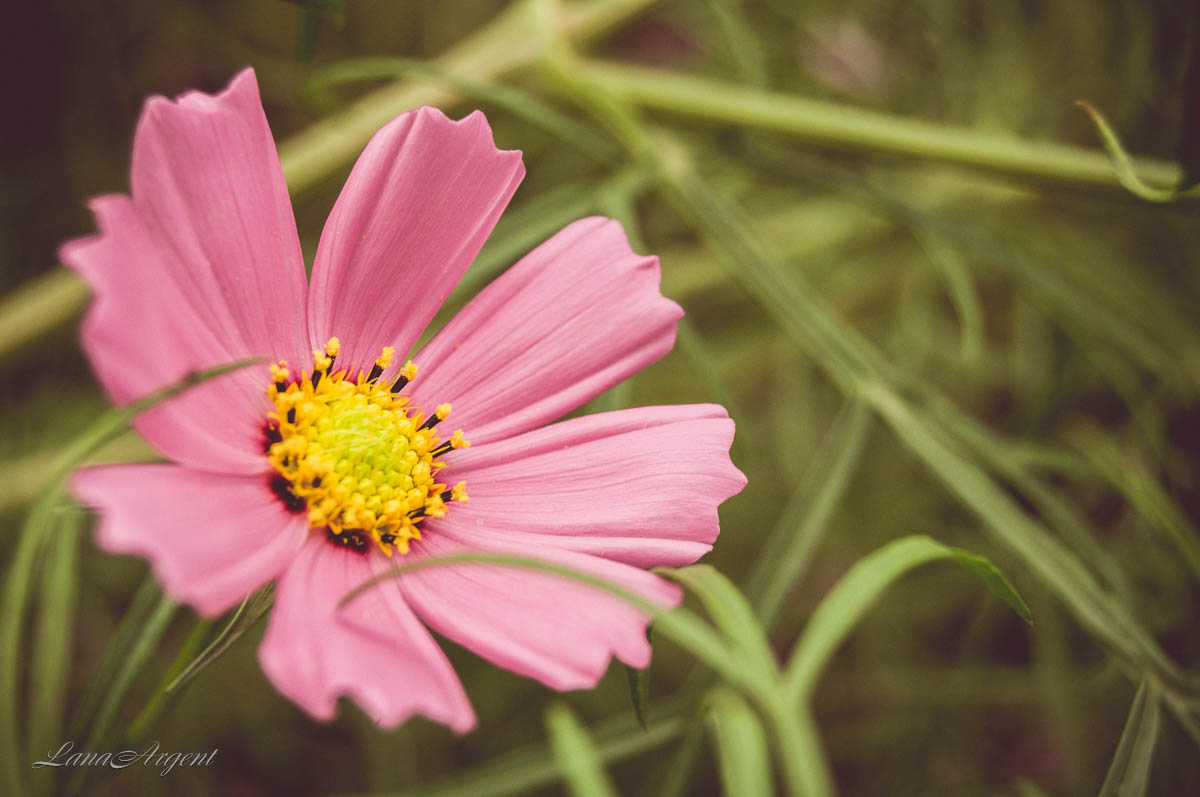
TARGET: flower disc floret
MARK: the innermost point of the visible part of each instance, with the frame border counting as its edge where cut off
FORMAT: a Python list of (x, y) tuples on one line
[(352, 452)]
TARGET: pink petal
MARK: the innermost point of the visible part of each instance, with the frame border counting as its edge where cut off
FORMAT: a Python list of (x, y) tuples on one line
[(545, 626), (417, 207), (201, 268), (141, 333), (640, 486), (374, 650), (209, 190), (212, 538), (574, 317)]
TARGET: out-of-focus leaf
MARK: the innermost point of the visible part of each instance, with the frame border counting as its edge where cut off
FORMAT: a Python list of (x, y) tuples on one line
[(138, 653), (577, 758), (858, 590), (1122, 163), (730, 612), (639, 689), (794, 540), (53, 634), (745, 764), (253, 609), (1129, 772), (533, 767), (994, 580)]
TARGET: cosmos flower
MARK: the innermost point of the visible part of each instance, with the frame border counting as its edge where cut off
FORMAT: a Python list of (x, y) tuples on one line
[(339, 458)]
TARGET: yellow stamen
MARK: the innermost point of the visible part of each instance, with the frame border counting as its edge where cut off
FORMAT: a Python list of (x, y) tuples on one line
[(356, 455)]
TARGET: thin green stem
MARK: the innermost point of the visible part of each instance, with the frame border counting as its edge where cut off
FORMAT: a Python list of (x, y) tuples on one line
[(859, 130)]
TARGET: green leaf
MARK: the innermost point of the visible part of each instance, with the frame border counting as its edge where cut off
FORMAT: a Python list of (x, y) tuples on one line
[(577, 758), (144, 643), (1129, 772), (639, 688), (731, 613), (253, 609), (994, 580), (53, 637), (745, 764), (526, 770), (1122, 163), (857, 591), (793, 542)]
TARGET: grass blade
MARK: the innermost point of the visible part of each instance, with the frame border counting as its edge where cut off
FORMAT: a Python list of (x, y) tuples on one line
[(794, 540), (1129, 772), (54, 635), (741, 745), (730, 612), (857, 591), (576, 755)]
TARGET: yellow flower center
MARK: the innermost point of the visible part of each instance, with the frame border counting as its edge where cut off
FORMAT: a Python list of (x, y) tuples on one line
[(355, 455)]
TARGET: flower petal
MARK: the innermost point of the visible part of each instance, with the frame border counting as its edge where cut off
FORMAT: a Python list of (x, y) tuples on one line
[(209, 190), (212, 538), (141, 334), (373, 650), (545, 626), (187, 272), (421, 200), (572, 318), (640, 486)]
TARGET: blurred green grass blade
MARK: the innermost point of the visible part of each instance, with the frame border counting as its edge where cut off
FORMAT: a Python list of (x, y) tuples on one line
[(120, 641), (852, 597), (161, 698), (39, 305), (994, 580), (860, 369), (960, 287), (17, 583), (54, 634), (1122, 163), (1129, 773), (678, 773), (577, 758), (801, 754), (730, 612), (143, 645), (794, 540), (531, 768), (859, 129), (743, 759), (1141, 489), (741, 41), (247, 615), (521, 104), (639, 687)]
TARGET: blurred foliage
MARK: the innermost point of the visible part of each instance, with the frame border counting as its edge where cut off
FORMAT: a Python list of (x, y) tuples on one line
[(999, 360)]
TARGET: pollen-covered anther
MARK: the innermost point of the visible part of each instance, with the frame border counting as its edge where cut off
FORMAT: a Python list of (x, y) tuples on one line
[(355, 455)]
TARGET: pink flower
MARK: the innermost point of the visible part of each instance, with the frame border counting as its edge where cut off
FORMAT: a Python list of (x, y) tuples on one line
[(336, 463)]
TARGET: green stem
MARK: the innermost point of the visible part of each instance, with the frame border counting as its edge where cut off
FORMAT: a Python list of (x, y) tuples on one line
[(860, 130), (805, 769), (150, 714)]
